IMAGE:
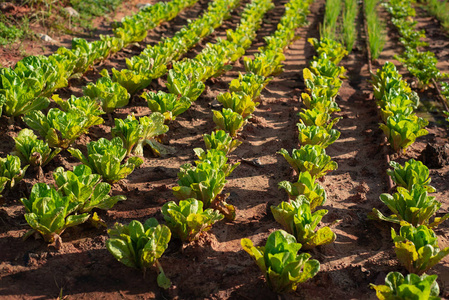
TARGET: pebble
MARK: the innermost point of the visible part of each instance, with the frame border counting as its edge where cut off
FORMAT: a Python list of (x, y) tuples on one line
[(46, 38), (143, 5)]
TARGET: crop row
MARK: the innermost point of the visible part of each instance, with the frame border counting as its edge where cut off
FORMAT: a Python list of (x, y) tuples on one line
[(50, 210), (421, 64), (61, 127), (27, 86), (284, 268), (416, 244), (201, 186)]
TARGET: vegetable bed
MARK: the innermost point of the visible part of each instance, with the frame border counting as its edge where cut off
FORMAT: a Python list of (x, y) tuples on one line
[(216, 266)]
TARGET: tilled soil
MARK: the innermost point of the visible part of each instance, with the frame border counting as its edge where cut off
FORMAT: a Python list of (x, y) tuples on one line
[(215, 266)]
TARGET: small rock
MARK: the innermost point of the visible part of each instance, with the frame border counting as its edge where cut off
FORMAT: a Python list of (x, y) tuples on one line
[(71, 11), (143, 5), (215, 104), (46, 38)]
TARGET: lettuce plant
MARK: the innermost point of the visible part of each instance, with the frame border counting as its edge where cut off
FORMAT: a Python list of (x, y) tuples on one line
[(33, 151), (322, 103), (216, 159), (297, 219), (201, 182), (49, 213), (267, 63), (250, 84), (306, 186), (317, 117), (410, 287), (140, 245), (322, 66), (333, 49), (413, 172), (320, 86), (60, 128), (137, 132), (417, 248), (283, 268), (239, 103), (310, 158), (20, 96), (131, 80), (402, 131), (148, 66), (387, 81), (89, 107), (414, 206), (167, 104), (188, 219), (105, 158), (10, 171), (221, 140), (317, 135), (109, 94), (229, 121), (85, 188), (181, 84)]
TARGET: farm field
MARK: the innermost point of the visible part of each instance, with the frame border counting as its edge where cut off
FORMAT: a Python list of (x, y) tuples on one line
[(215, 266)]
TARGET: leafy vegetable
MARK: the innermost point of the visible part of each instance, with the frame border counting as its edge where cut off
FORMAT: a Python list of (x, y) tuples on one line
[(221, 140), (181, 84), (410, 287), (317, 135), (84, 187), (167, 104), (33, 151), (318, 117), (60, 128), (188, 220), (50, 213), (267, 63), (310, 158), (250, 84), (415, 207), (229, 121), (85, 104), (283, 267), (297, 219), (109, 94), (306, 186), (239, 103), (10, 171), (417, 248), (413, 172), (105, 157), (137, 132), (140, 245), (402, 131)]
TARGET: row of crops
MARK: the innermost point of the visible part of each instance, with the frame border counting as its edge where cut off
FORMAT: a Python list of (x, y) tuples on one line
[(77, 195)]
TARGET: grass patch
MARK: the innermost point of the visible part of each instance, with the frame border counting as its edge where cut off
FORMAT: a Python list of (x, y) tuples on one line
[(349, 26), (9, 33), (440, 9), (333, 9), (376, 29)]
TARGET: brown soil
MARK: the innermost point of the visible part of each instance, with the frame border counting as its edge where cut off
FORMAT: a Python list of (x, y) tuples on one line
[(215, 267)]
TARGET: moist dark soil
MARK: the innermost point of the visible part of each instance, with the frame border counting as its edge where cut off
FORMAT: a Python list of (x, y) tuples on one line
[(215, 266)]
